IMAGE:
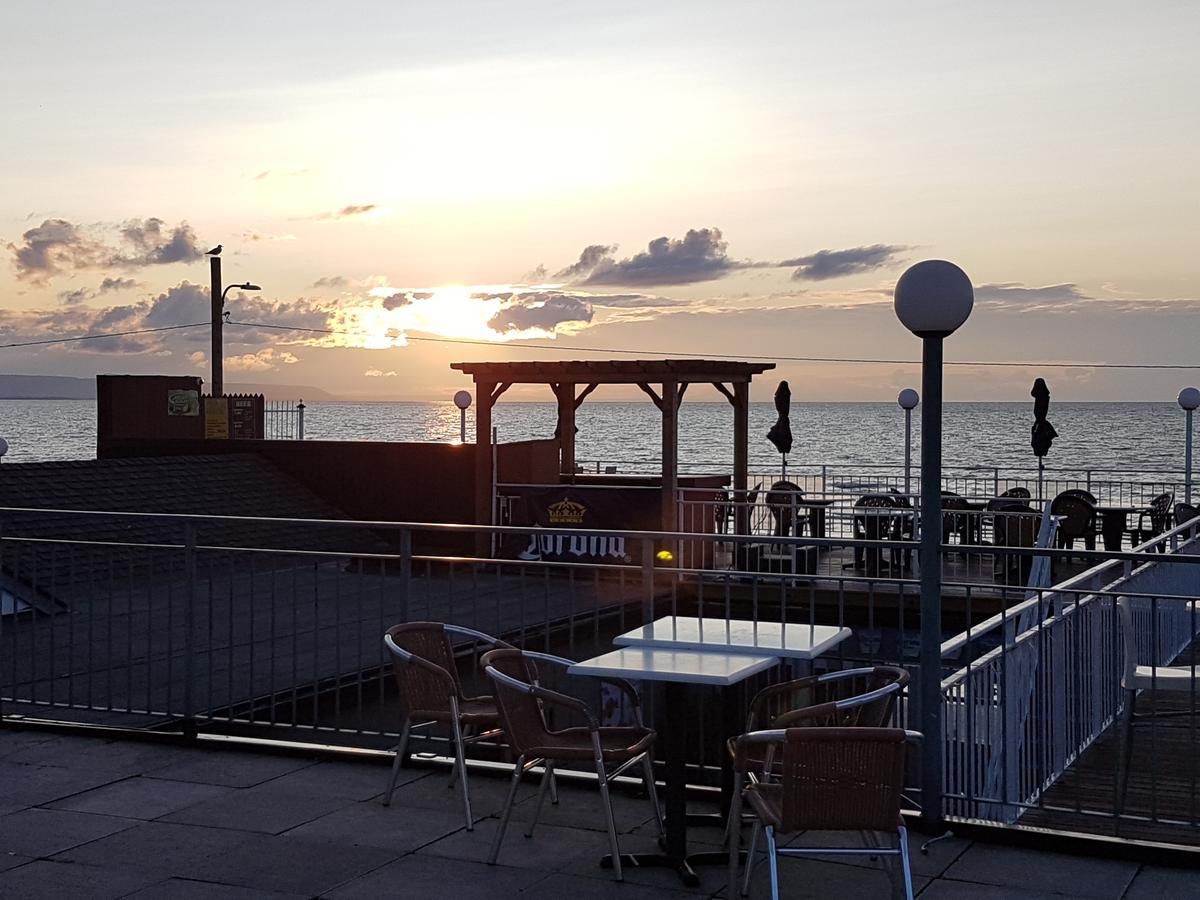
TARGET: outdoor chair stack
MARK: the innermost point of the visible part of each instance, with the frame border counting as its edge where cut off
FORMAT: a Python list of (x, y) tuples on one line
[(431, 691), (608, 750)]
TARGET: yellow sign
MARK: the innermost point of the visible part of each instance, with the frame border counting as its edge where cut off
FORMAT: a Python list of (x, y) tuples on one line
[(216, 417), (566, 512)]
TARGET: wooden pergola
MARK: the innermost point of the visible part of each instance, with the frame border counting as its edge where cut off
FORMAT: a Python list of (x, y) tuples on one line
[(665, 381)]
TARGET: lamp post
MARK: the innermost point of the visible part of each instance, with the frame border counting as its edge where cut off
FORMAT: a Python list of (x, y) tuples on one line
[(463, 401), (1189, 399), (908, 400), (933, 298), (217, 298)]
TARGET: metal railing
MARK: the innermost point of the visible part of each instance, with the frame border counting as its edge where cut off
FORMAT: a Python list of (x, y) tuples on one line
[(284, 420)]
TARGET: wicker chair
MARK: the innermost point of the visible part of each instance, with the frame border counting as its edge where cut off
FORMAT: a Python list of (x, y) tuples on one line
[(832, 779), (1078, 520), (430, 690), (1152, 521), (523, 704)]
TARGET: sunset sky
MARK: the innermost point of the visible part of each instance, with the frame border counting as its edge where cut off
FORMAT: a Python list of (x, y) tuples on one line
[(703, 178)]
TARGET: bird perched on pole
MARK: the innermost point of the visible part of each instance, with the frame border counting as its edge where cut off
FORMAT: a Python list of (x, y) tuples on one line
[(215, 251)]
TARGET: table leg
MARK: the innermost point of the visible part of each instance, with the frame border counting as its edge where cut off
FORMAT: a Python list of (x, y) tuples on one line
[(1112, 526), (818, 522)]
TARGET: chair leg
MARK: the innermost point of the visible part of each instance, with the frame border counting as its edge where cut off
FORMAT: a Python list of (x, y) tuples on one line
[(518, 770), (733, 832), (461, 762), (454, 772), (905, 864), (652, 793), (750, 858), (773, 862), (553, 788), (401, 752), (606, 802), (547, 776), (1126, 749)]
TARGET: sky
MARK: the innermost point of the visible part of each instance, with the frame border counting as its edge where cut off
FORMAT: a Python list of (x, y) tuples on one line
[(745, 179)]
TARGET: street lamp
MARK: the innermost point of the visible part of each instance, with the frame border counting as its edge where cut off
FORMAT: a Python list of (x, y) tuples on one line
[(241, 287), (1189, 399), (933, 298), (908, 400), (463, 401)]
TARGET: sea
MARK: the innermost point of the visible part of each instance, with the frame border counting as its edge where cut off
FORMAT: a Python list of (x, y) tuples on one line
[(1130, 438)]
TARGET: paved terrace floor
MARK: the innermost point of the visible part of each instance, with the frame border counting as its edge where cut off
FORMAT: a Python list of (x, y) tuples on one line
[(83, 817)]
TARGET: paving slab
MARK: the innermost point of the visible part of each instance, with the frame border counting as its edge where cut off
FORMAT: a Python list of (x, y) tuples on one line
[(98, 754), (949, 889), (228, 768), (13, 740), (141, 798), (552, 848), (1158, 883), (46, 880), (432, 792), (940, 857), (352, 780), (578, 887), (811, 878), (369, 824), (579, 807), (12, 860), (23, 785), (1038, 870), (184, 889), (158, 847), (44, 832), (431, 878), (265, 808), (290, 864)]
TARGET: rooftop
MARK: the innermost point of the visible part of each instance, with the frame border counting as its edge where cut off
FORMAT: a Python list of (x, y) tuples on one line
[(613, 371), (84, 816)]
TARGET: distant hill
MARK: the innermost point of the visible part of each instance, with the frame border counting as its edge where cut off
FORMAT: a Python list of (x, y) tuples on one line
[(62, 387)]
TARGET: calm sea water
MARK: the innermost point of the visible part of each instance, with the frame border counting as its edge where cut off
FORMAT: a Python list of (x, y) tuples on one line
[(1132, 437)]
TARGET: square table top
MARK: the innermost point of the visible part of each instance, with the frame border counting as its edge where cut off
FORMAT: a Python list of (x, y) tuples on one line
[(670, 664), (793, 640)]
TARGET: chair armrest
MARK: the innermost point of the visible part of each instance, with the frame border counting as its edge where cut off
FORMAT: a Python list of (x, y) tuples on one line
[(766, 694), (411, 659), (555, 698), (478, 636)]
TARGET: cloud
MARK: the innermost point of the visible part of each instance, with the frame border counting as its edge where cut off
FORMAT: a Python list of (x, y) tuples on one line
[(79, 295), (1012, 292), (57, 246), (332, 281), (536, 275), (266, 360), (395, 301), (349, 212), (592, 257), (634, 301), (825, 264), (108, 285), (377, 373), (541, 312), (256, 236), (700, 255), (117, 284)]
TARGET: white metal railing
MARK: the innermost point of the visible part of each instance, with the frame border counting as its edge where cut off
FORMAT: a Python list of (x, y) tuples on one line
[(283, 420), (1021, 713)]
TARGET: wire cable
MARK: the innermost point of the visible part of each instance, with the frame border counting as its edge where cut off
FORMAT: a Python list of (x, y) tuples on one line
[(741, 356), (96, 337)]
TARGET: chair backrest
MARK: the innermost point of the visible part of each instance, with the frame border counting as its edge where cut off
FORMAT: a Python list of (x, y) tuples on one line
[(521, 713), (863, 697), (423, 690), (876, 501), (1160, 511), (842, 779), (1078, 515), (1018, 492), (1185, 512), (1015, 526), (1081, 494), (953, 501)]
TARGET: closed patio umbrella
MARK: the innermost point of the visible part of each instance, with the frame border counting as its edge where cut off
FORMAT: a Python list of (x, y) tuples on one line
[(1043, 434), (781, 432)]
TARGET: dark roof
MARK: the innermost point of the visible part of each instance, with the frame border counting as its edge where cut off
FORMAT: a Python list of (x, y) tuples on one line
[(227, 484), (613, 371)]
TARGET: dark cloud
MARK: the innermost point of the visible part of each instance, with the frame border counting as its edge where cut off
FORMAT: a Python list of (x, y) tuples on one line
[(536, 275), (634, 301), (108, 285), (825, 264), (117, 284), (332, 281), (700, 255), (79, 295), (58, 246), (396, 300), (541, 310), (348, 212), (592, 257), (1011, 292)]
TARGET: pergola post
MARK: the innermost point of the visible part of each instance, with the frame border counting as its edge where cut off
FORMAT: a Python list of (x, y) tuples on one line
[(670, 455), (565, 393), (741, 456), (483, 462)]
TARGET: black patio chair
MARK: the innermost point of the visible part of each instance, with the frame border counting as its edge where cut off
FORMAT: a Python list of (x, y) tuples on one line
[(1077, 520), (1152, 521)]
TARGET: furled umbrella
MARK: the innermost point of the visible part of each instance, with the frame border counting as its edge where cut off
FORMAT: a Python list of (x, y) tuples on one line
[(1043, 434), (781, 432)]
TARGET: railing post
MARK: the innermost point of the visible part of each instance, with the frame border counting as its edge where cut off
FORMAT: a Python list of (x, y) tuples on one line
[(647, 581), (300, 421), (405, 572), (188, 725), (996, 481)]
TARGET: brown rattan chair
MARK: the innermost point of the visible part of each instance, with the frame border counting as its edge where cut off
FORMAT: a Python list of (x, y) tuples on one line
[(426, 675), (831, 779), (523, 704)]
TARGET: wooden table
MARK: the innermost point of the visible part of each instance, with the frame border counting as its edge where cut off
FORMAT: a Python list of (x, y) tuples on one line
[(677, 669)]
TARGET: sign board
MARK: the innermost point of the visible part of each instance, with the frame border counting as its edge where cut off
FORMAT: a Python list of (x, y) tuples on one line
[(625, 509), (183, 403), (243, 422), (216, 417)]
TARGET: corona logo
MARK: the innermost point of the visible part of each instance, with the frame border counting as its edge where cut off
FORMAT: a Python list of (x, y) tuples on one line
[(566, 512)]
